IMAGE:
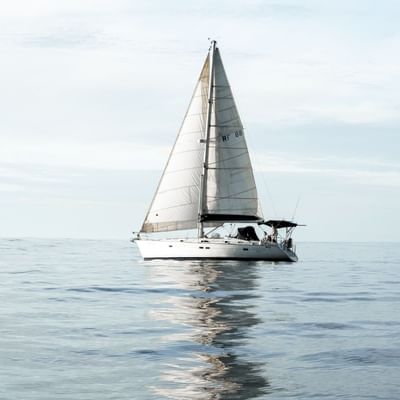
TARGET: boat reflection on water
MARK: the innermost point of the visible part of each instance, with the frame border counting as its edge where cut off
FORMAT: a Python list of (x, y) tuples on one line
[(214, 306)]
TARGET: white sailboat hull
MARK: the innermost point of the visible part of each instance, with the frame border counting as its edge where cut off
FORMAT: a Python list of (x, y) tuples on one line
[(194, 249)]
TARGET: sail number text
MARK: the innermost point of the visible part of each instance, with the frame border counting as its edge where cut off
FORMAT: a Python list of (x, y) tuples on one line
[(226, 138)]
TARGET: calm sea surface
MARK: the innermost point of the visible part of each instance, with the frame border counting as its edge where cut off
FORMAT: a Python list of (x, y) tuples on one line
[(86, 319)]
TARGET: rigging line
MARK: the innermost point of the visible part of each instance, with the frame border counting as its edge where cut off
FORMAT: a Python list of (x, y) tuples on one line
[(295, 209), (214, 229), (210, 102), (262, 174)]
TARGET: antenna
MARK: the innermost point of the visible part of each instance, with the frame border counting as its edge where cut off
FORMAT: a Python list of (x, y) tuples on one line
[(212, 42), (295, 209)]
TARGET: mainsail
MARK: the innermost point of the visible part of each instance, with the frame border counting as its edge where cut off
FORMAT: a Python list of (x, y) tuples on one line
[(208, 176), (231, 192)]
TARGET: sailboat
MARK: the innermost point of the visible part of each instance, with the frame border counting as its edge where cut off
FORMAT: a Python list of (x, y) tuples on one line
[(208, 183)]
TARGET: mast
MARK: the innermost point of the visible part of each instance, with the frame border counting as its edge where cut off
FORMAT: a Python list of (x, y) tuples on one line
[(203, 181)]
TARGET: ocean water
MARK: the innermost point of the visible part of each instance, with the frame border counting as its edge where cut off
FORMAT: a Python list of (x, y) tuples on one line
[(87, 319)]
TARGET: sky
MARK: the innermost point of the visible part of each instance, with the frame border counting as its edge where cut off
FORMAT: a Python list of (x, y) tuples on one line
[(93, 93)]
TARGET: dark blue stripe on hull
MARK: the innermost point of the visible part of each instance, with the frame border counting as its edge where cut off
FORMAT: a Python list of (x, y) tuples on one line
[(220, 258)]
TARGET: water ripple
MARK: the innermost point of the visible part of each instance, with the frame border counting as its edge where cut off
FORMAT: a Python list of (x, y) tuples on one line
[(87, 319), (388, 357)]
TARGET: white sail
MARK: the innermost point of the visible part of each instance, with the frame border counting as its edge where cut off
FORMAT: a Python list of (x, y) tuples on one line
[(175, 204), (231, 192), (209, 170)]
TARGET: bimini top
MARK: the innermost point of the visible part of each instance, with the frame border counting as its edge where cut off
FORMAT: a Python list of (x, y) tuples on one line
[(279, 223)]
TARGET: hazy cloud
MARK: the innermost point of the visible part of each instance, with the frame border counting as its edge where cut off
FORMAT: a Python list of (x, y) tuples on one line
[(93, 94)]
